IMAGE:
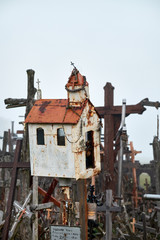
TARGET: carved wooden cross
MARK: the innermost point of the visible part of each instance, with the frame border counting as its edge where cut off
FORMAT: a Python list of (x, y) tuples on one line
[(17, 164), (112, 119), (135, 192), (14, 165)]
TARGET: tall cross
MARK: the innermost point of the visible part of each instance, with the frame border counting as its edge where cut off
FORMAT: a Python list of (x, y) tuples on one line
[(112, 119), (14, 165), (12, 103)]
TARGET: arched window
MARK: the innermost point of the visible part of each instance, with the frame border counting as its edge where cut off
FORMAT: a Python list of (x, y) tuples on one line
[(90, 150), (60, 137), (40, 136)]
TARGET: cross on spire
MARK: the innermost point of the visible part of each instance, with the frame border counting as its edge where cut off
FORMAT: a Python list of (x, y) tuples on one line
[(73, 65)]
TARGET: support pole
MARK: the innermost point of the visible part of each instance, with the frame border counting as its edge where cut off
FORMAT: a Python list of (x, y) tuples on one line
[(83, 209), (108, 214), (120, 162)]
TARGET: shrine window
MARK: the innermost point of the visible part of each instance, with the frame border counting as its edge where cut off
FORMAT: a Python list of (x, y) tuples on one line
[(40, 136), (90, 150), (60, 137)]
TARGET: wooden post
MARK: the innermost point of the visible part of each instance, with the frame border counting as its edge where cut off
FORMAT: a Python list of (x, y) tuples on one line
[(109, 137), (83, 209), (35, 202), (12, 190), (144, 226), (108, 215), (5, 140)]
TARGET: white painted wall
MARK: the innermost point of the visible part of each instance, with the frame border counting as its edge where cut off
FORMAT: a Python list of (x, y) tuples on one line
[(67, 161)]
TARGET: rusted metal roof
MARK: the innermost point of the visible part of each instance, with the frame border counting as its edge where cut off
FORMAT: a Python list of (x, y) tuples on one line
[(54, 111)]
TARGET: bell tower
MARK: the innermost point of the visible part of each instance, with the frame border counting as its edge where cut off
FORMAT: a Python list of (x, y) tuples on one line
[(77, 88)]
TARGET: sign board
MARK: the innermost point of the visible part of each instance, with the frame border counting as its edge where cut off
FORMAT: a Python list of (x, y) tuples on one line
[(65, 233)]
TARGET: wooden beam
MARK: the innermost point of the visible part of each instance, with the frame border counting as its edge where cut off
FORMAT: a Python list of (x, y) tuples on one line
[(116, 110), (11, 165), (83, 208), (51, 199)]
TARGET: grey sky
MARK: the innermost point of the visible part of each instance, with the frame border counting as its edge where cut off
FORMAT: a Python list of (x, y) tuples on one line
[(109, 41)]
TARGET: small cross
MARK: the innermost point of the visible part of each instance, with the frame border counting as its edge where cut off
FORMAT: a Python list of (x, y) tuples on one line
[(73, 64), (146, 184), (38, 82)]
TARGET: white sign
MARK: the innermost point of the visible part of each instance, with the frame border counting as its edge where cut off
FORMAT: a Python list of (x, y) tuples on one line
[(65, 233)]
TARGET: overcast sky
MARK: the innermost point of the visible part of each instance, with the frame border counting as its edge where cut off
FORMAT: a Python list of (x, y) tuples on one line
[(108, 40)]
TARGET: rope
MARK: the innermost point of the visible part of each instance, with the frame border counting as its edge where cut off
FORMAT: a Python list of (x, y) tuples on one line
[(64, 129)]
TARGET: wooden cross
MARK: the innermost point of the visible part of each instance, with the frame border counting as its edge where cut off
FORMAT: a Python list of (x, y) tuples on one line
[(17, 164), (22, 212), (112, 119), (47, 195), (135, 193), (14, 165), (146, 184), (108, 209), (38, 82)]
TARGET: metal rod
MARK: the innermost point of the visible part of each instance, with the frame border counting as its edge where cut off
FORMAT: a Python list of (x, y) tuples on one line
[(151, 196), (120, 161), (108, 215)]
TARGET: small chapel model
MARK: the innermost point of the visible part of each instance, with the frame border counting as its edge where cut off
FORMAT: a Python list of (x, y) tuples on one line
[(64, 134)]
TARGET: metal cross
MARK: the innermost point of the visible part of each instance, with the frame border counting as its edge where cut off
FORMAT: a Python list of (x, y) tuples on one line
[(73, 64)]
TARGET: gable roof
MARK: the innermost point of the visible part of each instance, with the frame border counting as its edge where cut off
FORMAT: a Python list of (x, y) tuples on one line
[(54, 111)]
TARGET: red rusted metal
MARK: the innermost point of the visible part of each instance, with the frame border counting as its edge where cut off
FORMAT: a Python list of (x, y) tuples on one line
[(51, 199), (76, 79)]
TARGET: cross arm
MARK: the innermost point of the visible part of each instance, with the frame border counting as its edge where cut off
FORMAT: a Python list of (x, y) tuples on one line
[(14, 102), (117, 110)]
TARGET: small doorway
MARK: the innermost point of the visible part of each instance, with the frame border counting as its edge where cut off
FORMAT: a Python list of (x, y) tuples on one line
[(90, 150)]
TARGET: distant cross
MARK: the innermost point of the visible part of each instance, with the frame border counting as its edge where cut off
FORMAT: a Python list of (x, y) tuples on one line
[(146, 184), (38, 82), (135, 192)]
